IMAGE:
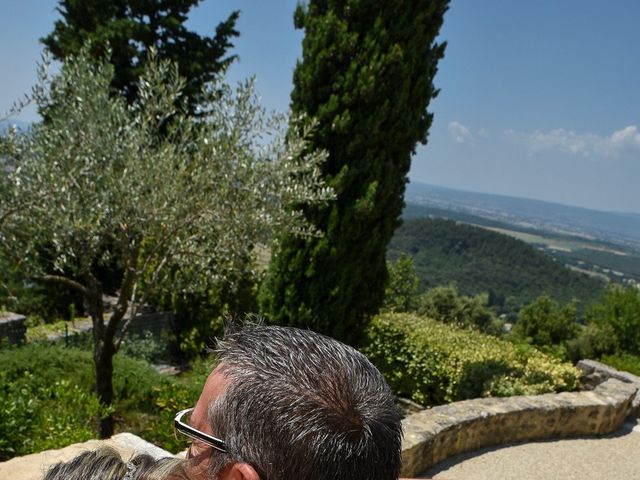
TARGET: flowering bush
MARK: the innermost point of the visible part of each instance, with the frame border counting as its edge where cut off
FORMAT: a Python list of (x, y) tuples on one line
[(434, 363)]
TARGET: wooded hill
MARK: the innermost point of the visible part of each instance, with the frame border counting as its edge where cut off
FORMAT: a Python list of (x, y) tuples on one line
[(512, 272)]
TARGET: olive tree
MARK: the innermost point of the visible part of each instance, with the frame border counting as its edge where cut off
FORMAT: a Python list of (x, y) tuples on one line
[(96, 183)]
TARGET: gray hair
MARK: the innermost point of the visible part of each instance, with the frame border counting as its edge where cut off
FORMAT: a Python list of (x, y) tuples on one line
[(303, 405), (107, 464)]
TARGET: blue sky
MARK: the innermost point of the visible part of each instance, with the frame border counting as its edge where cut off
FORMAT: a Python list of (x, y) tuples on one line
[(538, 99)]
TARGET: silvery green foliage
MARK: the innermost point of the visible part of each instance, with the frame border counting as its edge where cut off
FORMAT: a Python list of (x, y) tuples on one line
[(149, 185)]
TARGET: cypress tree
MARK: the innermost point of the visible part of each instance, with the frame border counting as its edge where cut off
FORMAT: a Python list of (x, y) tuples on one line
[(366, 76)]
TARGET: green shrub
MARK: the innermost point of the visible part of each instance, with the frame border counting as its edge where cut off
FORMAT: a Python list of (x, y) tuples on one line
[(48, 364), (133, 380), (401, 291), (544, 322), (434, 363), (35, 416), (623, 361), (47, 399), (146, 346), (169, 399), (593, 341), (446, 305), (619, 309)]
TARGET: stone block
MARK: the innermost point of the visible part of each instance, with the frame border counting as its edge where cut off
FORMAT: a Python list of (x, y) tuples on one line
[(34, 466), (12, 328), (433, 435)]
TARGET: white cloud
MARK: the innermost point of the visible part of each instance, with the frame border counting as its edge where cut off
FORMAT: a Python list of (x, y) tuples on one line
[(459, 133), (621, 142), (627, 139)]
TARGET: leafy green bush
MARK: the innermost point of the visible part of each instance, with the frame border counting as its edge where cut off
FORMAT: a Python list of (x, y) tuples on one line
[(47, 399), (623, 361), (133, 379), (545, 323), (446, 305), (434, 363), (147, 347), (593, 341), (169, 399), (37, 416), (48, 364), (401, 291), (619, 308)]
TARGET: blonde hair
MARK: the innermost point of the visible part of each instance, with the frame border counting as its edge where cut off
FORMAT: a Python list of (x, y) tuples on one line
[(107, 464)]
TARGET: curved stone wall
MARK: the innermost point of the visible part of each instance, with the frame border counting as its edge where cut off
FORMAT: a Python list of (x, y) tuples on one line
[(433, 435), (594, 373)]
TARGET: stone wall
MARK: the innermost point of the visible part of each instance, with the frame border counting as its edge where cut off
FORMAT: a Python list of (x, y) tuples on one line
[(12, 328), (34, 466), (594, 373), (433, 435)]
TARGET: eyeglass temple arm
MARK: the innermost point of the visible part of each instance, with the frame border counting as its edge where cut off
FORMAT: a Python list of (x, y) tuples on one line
[(191, 432)]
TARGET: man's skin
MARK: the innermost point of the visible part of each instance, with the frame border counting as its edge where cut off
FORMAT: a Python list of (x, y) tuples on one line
[(199, 453)]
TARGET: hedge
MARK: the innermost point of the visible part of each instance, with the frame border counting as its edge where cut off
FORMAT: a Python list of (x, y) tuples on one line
[(434, 363), (47, 399)]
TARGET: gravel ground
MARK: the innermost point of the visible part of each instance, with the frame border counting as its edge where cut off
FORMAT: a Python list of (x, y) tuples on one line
[(615, 456)]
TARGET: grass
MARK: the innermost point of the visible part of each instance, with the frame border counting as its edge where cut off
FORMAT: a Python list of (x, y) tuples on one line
[(541, 240), (38, 332)]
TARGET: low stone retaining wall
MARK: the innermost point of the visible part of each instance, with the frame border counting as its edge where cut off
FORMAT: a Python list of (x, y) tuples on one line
[(12, 328), (34, 466), (594, 373), (433, 435)]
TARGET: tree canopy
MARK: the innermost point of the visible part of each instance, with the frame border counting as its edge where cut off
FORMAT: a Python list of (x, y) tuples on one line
[(401, 292), (619, 311), (545, 323), (366, 75), (126, 29), (96, 183)]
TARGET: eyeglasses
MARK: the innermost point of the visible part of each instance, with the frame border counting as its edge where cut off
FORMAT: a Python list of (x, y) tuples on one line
[(196, 434)]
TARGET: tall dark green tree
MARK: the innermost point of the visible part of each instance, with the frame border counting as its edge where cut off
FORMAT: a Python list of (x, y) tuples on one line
[(366, 76), (130, 27)]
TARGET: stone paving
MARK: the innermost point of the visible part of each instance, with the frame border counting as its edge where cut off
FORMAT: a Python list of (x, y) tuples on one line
[(614, 456)]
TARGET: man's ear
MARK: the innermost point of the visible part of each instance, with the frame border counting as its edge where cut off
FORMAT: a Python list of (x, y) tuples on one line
[(239, 471)]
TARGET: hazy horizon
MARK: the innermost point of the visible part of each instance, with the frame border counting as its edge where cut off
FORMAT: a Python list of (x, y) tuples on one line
[(532, 199)]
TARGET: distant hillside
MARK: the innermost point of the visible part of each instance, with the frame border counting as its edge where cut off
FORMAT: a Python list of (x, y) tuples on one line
[(620, 264), (620, 228), (479, 260)]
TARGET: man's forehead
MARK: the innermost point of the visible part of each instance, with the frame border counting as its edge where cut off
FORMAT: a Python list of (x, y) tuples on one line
[(215, 385), (217, 382)]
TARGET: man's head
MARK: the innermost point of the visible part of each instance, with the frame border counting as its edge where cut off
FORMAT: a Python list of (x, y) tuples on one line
[(292, 403)]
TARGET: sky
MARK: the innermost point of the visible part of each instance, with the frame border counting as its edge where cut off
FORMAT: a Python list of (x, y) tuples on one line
[(537, 99)]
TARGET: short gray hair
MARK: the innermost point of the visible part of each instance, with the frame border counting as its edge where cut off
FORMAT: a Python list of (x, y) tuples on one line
[(107, 464), (303, 405)]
